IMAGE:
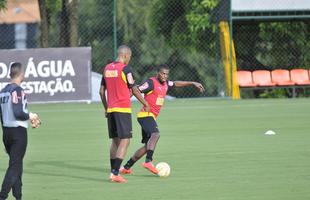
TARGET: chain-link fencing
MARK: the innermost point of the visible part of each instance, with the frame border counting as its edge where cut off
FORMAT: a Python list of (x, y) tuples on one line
[(185, 34), (158, 32), (272, 45), (272, 35)]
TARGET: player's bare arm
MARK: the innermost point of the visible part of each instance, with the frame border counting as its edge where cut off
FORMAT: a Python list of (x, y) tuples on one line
[(136, 92), (189, 83), (103, 98)]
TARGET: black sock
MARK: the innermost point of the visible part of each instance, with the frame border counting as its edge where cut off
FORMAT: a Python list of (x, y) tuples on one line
[(129, 163), (112, 161), (116, 166), (149, 156)]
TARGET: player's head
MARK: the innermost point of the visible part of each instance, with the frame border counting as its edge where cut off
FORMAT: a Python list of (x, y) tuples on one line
[(17, 71), (124, 54), (163, 72)]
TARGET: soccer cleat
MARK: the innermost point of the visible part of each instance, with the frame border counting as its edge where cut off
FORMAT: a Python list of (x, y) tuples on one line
[(149, 166), (123, 170), (117, 179)]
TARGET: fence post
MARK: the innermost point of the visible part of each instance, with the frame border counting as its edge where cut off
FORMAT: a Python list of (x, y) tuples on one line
[(230, 47), (114, 29)]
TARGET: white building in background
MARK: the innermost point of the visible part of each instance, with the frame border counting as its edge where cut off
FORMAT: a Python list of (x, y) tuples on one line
[(19, 24), (269, 5)]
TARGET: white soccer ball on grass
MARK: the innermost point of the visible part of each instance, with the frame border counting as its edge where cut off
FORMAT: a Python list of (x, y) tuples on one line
[(163, 169)]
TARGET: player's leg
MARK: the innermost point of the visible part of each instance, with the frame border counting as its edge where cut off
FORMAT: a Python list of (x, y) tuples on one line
[(137, 155), (121, 153), (119, 161), (17, 188), (149, 126), (124, 131), (114, 160), (150, 147), (13, 174), (112, 135), (113, 150), (7, 143), (151, 136)]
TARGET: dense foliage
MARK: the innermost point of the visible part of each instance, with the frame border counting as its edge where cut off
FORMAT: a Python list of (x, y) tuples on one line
[(180, 34)]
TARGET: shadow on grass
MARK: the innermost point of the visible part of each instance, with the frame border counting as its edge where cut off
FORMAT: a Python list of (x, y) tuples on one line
[(37, 168), (65, 165), (145, 175)]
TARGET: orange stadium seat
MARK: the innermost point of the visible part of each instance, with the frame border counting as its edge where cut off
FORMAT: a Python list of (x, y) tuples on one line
[(281, 77), (300, 76), (245, 79), (262, 78)]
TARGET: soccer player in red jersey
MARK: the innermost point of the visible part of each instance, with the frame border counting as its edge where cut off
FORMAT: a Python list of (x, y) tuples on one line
[(155, 90), (117, 80)]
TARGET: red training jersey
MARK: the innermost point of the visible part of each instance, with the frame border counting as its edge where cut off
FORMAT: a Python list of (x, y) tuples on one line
[(154, 93), (118, 80)]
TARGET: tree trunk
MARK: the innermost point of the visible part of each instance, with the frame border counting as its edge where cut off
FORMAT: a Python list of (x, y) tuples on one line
[(64, 36), (44, 25), (74, 36)]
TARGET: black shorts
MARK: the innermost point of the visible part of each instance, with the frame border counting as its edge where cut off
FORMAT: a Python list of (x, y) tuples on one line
[(149, 126), (119, 125)]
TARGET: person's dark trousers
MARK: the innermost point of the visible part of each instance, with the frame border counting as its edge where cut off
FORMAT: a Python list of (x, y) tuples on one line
[(15, 142)]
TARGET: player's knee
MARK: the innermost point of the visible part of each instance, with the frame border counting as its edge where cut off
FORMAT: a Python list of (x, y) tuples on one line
[(16, 161), (116, 141), (156, 135), (135, 158)]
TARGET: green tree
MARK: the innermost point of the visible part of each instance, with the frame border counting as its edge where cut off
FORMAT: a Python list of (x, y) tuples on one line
[(134, 29), (3, 4), (186, 24), (59, 23), (187, 29), (96, 30), (285, 44), (158, 32), (271, 45)]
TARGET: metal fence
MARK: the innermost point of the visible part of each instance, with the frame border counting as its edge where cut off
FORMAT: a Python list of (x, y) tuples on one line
[(185, 34), (158, 32), (274, 37), (272, 45)]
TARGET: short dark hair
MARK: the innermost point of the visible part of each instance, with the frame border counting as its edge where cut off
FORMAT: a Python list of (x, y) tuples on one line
[(123, 49), (16, 69), (162, 66)]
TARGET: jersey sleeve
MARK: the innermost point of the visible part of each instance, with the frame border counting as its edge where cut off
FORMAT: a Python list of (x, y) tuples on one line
[(146, 86), (129, 76), (170, 84), (19, 104), (1, 116)]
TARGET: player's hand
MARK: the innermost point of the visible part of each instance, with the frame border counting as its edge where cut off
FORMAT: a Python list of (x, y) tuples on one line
[(106, 114), (34, 120), (33, 116), (146, 108), (199, 86)]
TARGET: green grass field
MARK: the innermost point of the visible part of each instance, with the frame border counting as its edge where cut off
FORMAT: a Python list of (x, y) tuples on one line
[(217, 150)]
